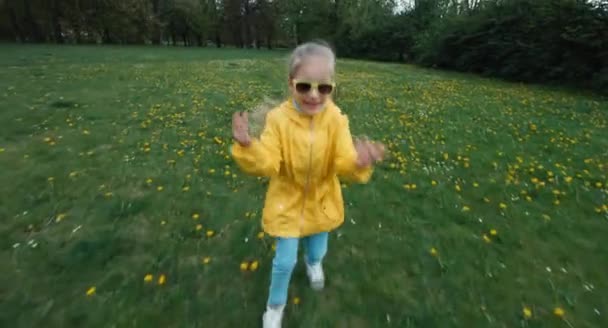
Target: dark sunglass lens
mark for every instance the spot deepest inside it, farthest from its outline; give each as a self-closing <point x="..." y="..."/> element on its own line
<point x="325" y="89"/>
<point x="302" y="87"/>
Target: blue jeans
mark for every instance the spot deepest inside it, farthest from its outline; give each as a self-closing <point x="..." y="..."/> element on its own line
<point x="285" y="259"/>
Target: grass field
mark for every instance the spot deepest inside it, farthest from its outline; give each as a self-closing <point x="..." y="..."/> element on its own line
<point x="120" y="205"/>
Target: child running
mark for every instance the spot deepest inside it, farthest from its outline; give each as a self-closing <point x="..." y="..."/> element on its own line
<point x="304" y="147"/>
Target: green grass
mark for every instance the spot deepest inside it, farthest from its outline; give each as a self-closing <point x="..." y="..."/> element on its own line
<point x="84" y="128"/>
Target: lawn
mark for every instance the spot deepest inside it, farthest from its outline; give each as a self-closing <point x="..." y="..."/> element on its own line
<point x="120" y="205"/>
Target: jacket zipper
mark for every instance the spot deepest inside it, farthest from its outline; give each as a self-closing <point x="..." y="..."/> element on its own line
<point x="307" y="185"/>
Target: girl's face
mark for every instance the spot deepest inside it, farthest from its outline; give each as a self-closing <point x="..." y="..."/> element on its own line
<point x="312" y="84"/>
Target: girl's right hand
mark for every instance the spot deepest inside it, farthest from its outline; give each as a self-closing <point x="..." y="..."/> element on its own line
<point x="240" y="128"/>
<point x="369" y="152"/>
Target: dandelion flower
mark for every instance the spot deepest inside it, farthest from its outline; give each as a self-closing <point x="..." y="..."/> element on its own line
<point x="568" y="179"/>
<point x="433" y="251"/>
<point x="296" y="300"/>
<point x="493" y="232"/>
<point x="148" y="278"/>
<point x="254" y="265"/>
<point x="527" y="312"/>
<point x="244" y="266"/>
<point x="60" y="217"/>
<point x="186" y="189"/>
<point x="503" y="206"/>
<point x="195" y="216"/>
<point x="91" y="291"/>
<point x="206" y="260"/>
<point x="261" y="235"/>
<point x="559" y="312"/>
<point x="199" y="227"/>
<point x="162" y="279"/>
<point x="466" y="208"/>
<point x="434" y="183"/>
<point x="149" y="180"/>
<point x="160" y="188"/>
<point x="486" y="238"/>
<point x="210" y="233"/>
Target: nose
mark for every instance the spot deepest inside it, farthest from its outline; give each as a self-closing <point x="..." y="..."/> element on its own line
<point x="314" y="93"/>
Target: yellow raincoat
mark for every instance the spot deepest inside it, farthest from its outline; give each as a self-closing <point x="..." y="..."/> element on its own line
<point x="303" y="156"/>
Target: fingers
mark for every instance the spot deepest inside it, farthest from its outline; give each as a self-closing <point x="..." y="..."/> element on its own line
<point x="369" y="152"/>
<point x="240" y="128"/>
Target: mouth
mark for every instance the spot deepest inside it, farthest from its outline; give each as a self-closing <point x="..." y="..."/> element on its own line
<point x="312" y="104"/>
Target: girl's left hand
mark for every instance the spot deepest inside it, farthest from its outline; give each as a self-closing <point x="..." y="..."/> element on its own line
<point x="369" y="152"/>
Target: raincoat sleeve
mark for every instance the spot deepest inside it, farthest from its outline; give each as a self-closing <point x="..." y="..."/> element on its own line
<point x="263" y="156"/>
<point x="346" y="155"/>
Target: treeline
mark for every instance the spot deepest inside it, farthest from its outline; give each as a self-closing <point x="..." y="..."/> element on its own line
<point x="564" y="41"/>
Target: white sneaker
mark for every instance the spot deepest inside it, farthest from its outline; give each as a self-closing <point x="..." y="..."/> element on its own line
<point x="273" y="316"/>
<point x="316" y="276"/>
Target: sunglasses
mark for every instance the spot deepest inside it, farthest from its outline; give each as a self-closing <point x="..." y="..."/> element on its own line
<point x="324" y="88"/>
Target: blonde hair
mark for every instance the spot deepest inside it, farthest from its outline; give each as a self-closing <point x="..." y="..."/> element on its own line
<point x="308" y="49"/>
<point x="257" y="118"/>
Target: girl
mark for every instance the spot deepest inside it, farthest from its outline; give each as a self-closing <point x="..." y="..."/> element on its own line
<point x="304" y="146"/>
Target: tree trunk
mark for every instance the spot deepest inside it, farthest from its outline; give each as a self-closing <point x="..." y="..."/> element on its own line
<point x="55" y="17"/>
<point x="15" y="25"/>
<point x="218" y="40"/>
<point x="30" y="22"/>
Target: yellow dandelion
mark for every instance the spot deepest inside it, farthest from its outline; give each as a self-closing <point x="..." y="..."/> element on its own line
<point x="163" y="222"/>
<point x="446" y="156"/>
<point x="486" y="238"/>
<point x="186" y="189"/>
<point x="162" y="279"/>
<point x="199" y="227"/>
<point x="149" y="180"/>
<point x="160" y="188"/>
<point x="50" y="179"/>
<point x="244" y="266"/>
<point x="296" y="300"/>
<point x="559" y="312"/>
<point x="60" y="217"/>
<point x="211" y="171"/>
<point x="210" y="233"/>
<point x="108" y="194"/>
<point x="568" y="179"/>
<point x="148" y="278"/>
<point x="91" y="291"/>
<point x="261" y="235"/>
<point x="458" y="188"/>
<point x="254" y="265"/>
<point x="493" y="232"/>
<point x="466" y="208"/>
<point x="527" y="312"/>
<point x="434" y="183"/>
<point x="195" y="216"/>
<point x="433" y="251"/>
<point x="502" y="206"/>
<point x="475" y="184"/>
<point x="86" y="132"/>
<point x="206" y="260"/>
<point x="556" y="202"/>
<point x="598" y="185"/>
<point x="1" y="150"/>
<point x="486" y="199"/>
